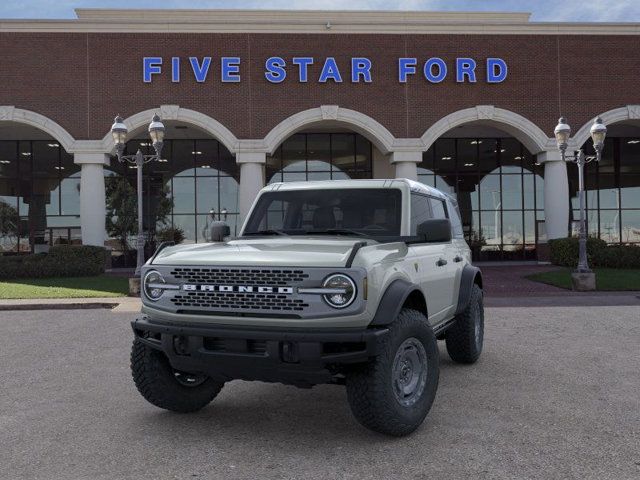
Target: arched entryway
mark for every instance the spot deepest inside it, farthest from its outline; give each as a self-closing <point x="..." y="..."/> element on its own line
<point x="39" y="184"/>
<point x="612" y="186"/>
<point x="492" y="169"/>
<point x="196" y="181"/>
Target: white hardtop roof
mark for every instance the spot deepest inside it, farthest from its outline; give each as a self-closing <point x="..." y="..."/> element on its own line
<point x="344" y="184"/>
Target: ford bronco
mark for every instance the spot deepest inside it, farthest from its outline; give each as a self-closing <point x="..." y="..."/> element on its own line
<point x="347" y="282"/>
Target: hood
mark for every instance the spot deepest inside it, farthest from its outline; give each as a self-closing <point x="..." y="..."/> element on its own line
<point x="272" y="251"/>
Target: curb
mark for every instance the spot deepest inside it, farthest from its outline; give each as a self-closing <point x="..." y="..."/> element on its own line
<point x="58" y="306"/>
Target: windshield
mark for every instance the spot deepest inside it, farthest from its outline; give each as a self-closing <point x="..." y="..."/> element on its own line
<point x="369" y="212"/>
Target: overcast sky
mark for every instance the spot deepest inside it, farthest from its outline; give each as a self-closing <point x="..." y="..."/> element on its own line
<point x="542" y="10"/>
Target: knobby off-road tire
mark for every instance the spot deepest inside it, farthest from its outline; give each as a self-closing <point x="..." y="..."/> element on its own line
<point x="385" y="395"/>
<point x="465" y="337"/>
<point x="166" y="388"/>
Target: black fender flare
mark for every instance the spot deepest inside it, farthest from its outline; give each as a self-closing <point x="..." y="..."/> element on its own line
<point x="467" y="279"/>
<point x="392" y="301"/>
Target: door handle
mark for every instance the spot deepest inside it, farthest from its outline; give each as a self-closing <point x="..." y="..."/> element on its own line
<point x="457" y="259"/>
<point x="441" y="262"/>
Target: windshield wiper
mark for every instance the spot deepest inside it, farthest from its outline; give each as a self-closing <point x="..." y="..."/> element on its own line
<point x="336" y="231"/>
<point x="266" y="232"/>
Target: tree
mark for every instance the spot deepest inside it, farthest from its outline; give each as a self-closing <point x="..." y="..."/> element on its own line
<point x="9" y="223"/>
<point x="122" y="210"/>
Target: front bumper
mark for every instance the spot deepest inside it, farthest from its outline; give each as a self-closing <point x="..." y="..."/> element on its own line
<point x="302" y="358"/>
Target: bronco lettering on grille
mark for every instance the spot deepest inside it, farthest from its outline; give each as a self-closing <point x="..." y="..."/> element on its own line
<point x="237" y="289"/>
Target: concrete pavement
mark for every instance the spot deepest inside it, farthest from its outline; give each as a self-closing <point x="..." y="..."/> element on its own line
<point x="556" y="394"/>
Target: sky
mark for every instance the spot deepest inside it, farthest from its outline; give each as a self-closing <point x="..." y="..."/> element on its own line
<point x="542" y="10"/>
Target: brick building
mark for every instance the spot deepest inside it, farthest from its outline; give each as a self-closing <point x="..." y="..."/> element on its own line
<point x="466" y="102"/>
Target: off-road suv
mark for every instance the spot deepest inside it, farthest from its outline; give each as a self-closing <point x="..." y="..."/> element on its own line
<point x="347" y="282"/>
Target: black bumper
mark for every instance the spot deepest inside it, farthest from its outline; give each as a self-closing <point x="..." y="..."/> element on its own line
<point x="271" y="355"/>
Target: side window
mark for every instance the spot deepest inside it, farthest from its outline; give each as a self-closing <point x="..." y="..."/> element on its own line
<point x="456" y="223"/>
<point x="438" y="208"/>
<point x="420" y="211"/>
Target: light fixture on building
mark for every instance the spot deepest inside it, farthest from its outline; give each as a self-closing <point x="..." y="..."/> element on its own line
<point x="475" y="142"/>
<point x="5" y="161"/>
<point x="469" y="164"/>
<point x="53" y="145"/>
<point x="58" y="168"/>
<point x="633" y="142"/>
<point x="205" y="166"/>
<point x="25" y="154"/>
<point x="156" y="133"/>
<point x="562" y="133"/>
<point x="447" y="158"/>
<point x="196" y="153"/>
<point x="517" y="158"/>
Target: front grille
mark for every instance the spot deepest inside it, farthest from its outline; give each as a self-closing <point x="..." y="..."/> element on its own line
<point x="242" y="276"/>
<point x="238" y="301"/>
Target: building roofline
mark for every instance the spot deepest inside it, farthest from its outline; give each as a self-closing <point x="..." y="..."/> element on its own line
<point x="310" y="21"/>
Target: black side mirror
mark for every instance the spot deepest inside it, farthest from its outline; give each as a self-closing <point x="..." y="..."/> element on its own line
<point x="435" y="230"/>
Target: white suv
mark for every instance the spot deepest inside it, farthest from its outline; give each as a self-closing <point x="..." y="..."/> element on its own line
<point x="347" y="282"/>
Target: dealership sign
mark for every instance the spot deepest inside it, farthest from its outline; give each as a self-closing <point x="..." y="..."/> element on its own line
<point x="310" y="69"/>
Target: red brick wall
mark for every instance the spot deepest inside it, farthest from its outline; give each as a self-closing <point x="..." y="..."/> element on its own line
<point x="82" y="80"/>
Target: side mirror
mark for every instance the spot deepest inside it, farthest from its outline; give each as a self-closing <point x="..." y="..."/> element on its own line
<point x="435" y="230"/>
<point x="219" y="230"/>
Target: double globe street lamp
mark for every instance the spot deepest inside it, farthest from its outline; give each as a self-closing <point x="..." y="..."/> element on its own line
<point x="156" y="132"/>
<point x="583" y="278"/>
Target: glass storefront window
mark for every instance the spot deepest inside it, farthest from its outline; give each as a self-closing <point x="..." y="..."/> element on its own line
<point x="320" y="156"/>
<point x="499" y="189"/>
<point x="39" y="195"/>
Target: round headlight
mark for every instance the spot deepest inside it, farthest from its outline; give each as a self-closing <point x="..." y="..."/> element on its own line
<point x="345" y="290"/>
<point x="152" y="282"/>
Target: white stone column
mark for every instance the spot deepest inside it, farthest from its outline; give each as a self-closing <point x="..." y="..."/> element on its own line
<point x="251" y="178"/>
<point x="406" y="163"/>
<point x="92" y="197"/>
<point x="556" y="194"/>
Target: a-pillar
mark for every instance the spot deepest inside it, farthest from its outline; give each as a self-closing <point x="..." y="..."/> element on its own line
<point x="556" y="194"/>
<point x="406" y="163"/>
<point x="251" y="179"/>
<point x="92" y="197"/>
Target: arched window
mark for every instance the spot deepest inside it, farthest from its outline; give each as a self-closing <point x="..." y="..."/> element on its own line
<point x="320" y="156"/>
<point x="39" y="196"/>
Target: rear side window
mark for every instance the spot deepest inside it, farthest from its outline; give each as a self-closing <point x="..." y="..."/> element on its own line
<point x="438" y="208"/>
<point x="454" y="216"/>
<point x="420" y="211"/>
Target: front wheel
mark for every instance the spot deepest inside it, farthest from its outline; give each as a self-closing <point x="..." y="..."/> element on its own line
<point x="163" y="386"/>
<point x="393" y="393"/>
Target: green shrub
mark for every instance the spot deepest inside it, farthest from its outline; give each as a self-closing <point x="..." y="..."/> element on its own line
<point x="565" y="252"/>
<point x="618" y="256"/>
<point x="61" y="261"/>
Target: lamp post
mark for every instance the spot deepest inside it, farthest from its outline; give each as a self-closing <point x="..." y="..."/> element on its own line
<point x="156" y="132"/>
<point x="562" y="133"/>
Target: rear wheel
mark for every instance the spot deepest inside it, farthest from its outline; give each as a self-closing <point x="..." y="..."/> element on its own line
<point x="163" y="386"/>
<point x="393" y="393"/>
<point x="466" y="336"/>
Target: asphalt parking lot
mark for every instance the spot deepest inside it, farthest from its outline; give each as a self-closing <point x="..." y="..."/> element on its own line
<point x="556" y="394"/>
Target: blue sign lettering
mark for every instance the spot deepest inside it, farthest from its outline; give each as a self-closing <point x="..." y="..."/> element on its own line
<point x="303" y="67"/>
<point x="360" y="67"/>
<point x="175" y="69"/>
<point x="200" y="71"/>
<point x="150" y="66"/>
<point x="428" y="70"/>
<point x="331" y="71"/>
<point x="275" y="69"/>
<point x="406" y="66"/>
<point x="496" y="70"/>
<point x="465" y="67"/>
<point x="434" y="69"/>
<point x="230" y="69"/>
